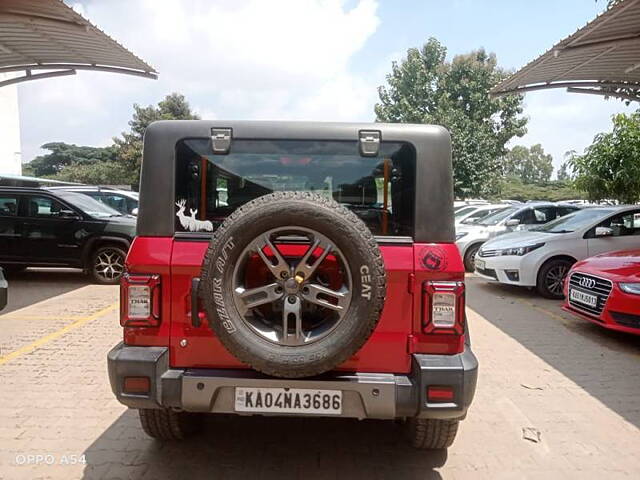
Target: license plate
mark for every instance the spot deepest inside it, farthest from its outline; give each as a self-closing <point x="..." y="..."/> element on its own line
<point x="584" y="298"/>
<point x="479" y="264"/>
<point x="288" y="400"/>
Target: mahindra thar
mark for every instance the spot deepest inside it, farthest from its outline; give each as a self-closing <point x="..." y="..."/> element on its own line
<point x="294" y="268"/>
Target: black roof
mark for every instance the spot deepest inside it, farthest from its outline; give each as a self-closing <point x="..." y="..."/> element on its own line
<point x="434" y="183"/>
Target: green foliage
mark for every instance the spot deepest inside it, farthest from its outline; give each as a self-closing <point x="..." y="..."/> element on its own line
<point x="63" y="155"/>
<point x="117" y="164"/>
<point x="514" y="189"/>
<point x="425" y="88"/>
<point x="129" y="147"/>
<point x="100" y="173"/>
<point x="531" y="165"/>
<point x="610" y="166"/>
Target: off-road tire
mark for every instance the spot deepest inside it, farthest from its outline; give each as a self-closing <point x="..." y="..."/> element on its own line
<point x="469" y="257"/>
<point x="431" y="433"/>
<point x="90" y="267"/>
<point x="541" y="284"/>
<point x="165" y="424"/>
<point x="347" y="232"/>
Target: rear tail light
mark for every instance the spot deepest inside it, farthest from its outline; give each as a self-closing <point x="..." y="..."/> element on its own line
<point x="443" y="308"/>
<point x="140" y="300"/>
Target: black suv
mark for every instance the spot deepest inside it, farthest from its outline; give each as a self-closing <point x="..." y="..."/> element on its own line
<point x="62" y="229"/>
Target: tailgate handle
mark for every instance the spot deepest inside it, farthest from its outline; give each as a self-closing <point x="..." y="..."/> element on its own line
<point x="195" y="314"/>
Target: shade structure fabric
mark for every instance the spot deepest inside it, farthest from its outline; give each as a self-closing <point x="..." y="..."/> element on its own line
<point x="46" y="38"/>
<point x="601" y="58"/>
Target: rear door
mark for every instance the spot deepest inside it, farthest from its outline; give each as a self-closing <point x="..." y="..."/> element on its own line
<point x="626" y="234"/>
<point x="10" y="227"/>
<point x="380" y="190"/>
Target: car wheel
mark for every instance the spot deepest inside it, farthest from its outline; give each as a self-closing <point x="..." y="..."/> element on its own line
<point x="165" y="424"/>
<point x="431" y="433"/>
<point x="469" y="257"/>
<point x="550" y="283"/>
<point x="107" y="265"/>
<point x="293" y="310"/>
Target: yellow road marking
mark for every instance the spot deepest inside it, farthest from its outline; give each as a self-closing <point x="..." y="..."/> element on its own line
<point x="52" y="336"/>
<point x="8" y="316"/>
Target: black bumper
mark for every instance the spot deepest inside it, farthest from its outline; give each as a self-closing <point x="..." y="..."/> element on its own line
<point x="365" y="395"/>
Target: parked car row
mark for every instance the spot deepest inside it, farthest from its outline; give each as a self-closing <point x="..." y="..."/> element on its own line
<point x="590" y="257"/>
<point x="470" y="237"/>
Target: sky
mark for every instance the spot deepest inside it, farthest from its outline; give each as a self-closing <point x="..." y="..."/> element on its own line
<point x="302" y="60"/>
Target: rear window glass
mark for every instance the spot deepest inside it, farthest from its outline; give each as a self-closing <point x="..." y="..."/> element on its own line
<point x="380" y="190"/>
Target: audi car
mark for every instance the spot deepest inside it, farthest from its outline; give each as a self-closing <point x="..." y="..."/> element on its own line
<point x="605" y="290"/>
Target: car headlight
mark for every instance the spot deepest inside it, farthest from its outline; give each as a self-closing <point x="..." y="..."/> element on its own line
<point x="520" y="251"/>
<point x="460" y="235"/>
<point x="630" y="288"/>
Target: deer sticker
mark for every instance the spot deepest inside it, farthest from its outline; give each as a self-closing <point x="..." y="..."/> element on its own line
<point x="190" y="222"/>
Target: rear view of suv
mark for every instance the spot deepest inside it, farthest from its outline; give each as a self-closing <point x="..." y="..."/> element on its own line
<point x="295" y="269"/>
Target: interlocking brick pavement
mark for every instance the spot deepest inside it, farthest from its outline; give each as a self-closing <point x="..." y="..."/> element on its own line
<point x="577" y="385"/>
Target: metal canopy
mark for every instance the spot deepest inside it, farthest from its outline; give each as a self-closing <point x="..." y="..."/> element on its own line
<point x="47" y="35"/>
<point x="602" y="58"/>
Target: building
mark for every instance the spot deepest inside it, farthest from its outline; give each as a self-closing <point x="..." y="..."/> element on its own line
<point x="10" y="157"/>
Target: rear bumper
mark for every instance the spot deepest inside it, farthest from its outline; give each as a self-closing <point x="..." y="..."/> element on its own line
<point x="365" y="395"/>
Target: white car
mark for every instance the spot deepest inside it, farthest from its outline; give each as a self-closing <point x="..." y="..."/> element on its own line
<point x="469" y="238"/>
<point x="475" y="214"/>
<point x="542" y="257"/>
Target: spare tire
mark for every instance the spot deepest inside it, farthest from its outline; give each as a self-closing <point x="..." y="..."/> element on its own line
<point x="293" y="284"/>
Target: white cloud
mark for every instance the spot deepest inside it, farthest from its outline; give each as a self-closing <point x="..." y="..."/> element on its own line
<point x="562" y="121"/>
<point x="252" y="59"/>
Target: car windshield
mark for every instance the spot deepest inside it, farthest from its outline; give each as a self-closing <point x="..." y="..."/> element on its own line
<point x="475" y="217"/>
<point x="464" y="211"/>
<point x="574" y="221"/>
<point x="497" y="217"/>
<point x="88" y="205"/>
<point x="380" y="189"/>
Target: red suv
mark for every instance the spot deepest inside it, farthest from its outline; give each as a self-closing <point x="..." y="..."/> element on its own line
<point x="288" y="268"/>
<point x="605" y="290"/>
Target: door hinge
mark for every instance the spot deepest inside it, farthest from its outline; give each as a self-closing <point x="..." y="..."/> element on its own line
<point x="369" y="143"/>
<point x="221" y="140"/>
<point x="411" y="283"/>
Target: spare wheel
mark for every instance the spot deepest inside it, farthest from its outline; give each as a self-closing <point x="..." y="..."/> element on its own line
<point x="293" y="284"/>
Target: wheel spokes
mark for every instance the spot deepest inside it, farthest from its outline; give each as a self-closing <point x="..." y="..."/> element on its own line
<point x="254" y="297"/>
<point x="325" y="297"/>
<point x="304" y="269"/>
<point x="292" y="315"/>
<point x="281" y="266"/>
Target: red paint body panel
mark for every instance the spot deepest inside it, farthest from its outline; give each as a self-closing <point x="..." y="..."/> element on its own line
<point x="396" y="336"/>
<point x="150" y="255"/>
<point x="619" y="267"/>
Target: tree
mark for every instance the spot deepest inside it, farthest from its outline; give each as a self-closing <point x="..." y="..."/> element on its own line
<point x="425" y="88"/>
<point x="531" y="165"/>
<point x="99" y="173"/>
<point x="609" y="168"/>
<point x="565" y="172"/>
<point x="514" y="189"/>
<point x="63" y="155"/>
<point x="129" y="147"/>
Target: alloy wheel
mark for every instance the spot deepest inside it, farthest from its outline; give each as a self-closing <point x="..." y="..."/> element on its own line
<point x="304" y="293"/>
<point x="109" y="264"/>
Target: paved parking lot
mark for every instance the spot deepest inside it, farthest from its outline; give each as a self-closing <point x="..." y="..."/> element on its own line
<point x="568" y="385"/>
